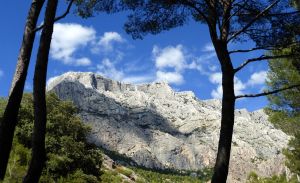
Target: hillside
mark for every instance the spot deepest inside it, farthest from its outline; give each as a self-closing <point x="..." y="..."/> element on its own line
<point x="159" y="128"/>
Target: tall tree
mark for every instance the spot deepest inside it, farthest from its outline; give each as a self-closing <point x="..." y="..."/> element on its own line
<point x="39" y="88"/>
<point x="269" y="23"/>
<point x="9" y="121"/>
<point x="284" y="107"/>
<point x="38" y="156"/>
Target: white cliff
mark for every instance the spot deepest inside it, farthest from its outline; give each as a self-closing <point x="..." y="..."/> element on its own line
<point x="160" y="128"/>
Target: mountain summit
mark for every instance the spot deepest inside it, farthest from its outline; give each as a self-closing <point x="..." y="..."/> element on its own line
<point x="159" y="128"/>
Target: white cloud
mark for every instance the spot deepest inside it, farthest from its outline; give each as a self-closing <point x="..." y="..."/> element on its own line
<point x="172" y="61"/>
<point x="1" y="73"/>
<point x="169" y="57"/>
<point x="170" y="64"/>
<point x="138" y="79"/>
<point x="170" y="77"/>
<point x="239" y="86"/>
<point x="68" y="38"/>
<point x="82" y="62"/>
<point x="108" y="69"/>
<point x="216" y="78"/>
<point x="212" y="68"/>
<point x="257" y="78"/>
<point x="204" y="63"/>
<point x="107" y="40"/>
<point x="207" y="56"/>
<point x="217" y="93"/>
<point x="209" y="47"/>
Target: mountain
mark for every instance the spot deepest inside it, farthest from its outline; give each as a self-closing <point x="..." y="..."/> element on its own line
<point x="163" y="129"/>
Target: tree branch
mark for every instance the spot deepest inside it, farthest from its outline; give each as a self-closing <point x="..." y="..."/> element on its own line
<point x="267" y="92"/>
<point x="57" y="18"/>
<point x="252" y="49"/>
<point x="263" y="57"/>
<point x="278" y="47"/>
<point x="190" y="4"/>
<point x="284" y="14"/>
<point x="232" y="15"/>
<point x="262" y="13"/>
<point x="277" y="14"/>
<point x="224" y="26"/>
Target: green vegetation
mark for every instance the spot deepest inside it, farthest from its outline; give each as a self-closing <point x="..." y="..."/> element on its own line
<point x="293" y="155"/>
<point x="111" y="177"/>
<point x="284" y="107"/>
<point x="125" y="171"/>
<point x="152" y="175"/>
<point x="155" y="176"/>
<point x="124" y="160"/>
<point x="254" y="178"/>
<point x="140" y="175"/>
<point x="70" y="158"/>
<point x="284" y="113"/>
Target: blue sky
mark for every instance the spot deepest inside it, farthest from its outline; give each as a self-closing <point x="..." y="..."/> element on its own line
<point x="183" y="57"/>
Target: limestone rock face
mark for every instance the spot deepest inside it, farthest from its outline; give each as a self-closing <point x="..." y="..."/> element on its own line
<point x="160" y="128"/>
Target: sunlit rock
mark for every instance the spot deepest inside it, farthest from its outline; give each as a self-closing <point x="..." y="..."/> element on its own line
<point x="160" y="128"/>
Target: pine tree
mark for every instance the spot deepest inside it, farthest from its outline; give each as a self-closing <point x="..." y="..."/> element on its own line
<point x="9" y="121"/>
<point x="284" y="107"/>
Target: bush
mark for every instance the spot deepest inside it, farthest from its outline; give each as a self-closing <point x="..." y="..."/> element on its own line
<point x="69" y="156"/>
<point x="110" y="177"/>
<point x="254" y="178"/>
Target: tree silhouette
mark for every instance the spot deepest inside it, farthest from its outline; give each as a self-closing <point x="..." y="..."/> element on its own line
<point x="38" y="155"/>
<point x="9" y="121"/>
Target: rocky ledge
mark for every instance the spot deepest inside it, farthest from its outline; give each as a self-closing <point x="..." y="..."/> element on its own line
<point x="159" y="128"/>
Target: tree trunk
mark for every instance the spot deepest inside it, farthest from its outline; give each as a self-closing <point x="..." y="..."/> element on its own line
<point x="38" y="156"/>
<point x="227" y="120"/>
<point x="9" y="120"/>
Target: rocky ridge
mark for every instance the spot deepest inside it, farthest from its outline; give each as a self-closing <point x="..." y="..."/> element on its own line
<point x="160" y="128"/>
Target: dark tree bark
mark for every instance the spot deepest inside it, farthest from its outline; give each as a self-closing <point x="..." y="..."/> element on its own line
<point x="9" y="121"/>
<point x="228" y="101"/>
<point x="38" y="156"/>
<point x="227" y="123"/>
<point x="227" y="120"/>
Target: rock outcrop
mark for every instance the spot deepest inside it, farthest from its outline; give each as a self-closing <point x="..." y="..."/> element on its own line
<point x="160" y="128"/>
